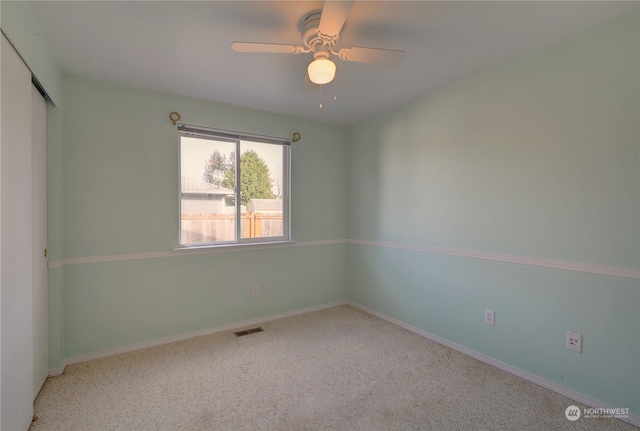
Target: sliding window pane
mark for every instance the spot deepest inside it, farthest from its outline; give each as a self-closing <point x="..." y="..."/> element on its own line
<point x="207" y="178"/>
<point x="262" y="190"/>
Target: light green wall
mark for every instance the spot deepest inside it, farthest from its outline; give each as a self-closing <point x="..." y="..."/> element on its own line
<point x="110" y="305"/>
<point x="120" y="195"/>
<point x="536" y="158"/>
<point x="121" y="167"/>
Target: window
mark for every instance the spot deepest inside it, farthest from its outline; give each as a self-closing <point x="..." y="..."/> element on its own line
<point x="231" y="199"/>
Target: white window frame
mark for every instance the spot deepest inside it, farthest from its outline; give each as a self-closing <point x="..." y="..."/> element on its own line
<point x="185" y="130"/>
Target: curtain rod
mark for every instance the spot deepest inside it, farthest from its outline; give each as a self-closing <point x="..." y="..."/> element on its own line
<point x="175" y="117"/>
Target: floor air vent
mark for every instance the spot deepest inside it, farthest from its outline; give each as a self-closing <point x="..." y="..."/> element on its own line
<point x="248" y="331"/>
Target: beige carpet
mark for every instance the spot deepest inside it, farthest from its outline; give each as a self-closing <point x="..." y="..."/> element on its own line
<point x="337" y="369"/>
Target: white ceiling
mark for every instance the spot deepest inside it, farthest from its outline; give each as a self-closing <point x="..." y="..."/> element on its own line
<point x="182" y="47"/>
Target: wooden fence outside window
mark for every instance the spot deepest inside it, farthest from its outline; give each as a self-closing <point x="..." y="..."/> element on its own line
<point x="197" y="228"/>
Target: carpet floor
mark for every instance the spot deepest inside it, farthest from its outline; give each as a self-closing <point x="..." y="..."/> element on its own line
<point x="335" y="369"/>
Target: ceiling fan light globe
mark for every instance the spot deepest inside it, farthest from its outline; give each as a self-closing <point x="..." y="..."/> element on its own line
<point x="321" y="71"/>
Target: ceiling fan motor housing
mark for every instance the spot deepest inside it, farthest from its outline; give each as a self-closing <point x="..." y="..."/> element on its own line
<point x="311" y="37"/>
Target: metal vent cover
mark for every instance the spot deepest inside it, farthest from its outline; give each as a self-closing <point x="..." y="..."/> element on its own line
<point x="248" y="331"/>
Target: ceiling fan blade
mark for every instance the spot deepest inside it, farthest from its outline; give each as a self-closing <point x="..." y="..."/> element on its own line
<point x="307" y="85"/>
<point x="334" y="14"/>
<point x="387" y="57"/>
<point x="273" y="48"/>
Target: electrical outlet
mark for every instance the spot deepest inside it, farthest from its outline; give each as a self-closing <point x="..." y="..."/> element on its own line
<point x="256" y="289"/>
<point x="490" y="317"/>
<point x="574" y="341"/>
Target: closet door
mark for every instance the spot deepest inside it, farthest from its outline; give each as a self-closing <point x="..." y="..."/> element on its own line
<point x="39" y="199"/>
<point x="16" y="243"/>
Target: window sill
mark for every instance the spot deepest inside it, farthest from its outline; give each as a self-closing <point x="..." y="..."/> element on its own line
<point x="243" y="246"/>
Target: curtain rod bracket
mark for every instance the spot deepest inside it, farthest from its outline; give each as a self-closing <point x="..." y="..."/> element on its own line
<point x="174" y="117"/>
<point x="296" y="137"/>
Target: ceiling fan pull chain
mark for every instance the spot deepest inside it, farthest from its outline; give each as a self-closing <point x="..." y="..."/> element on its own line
<point x="320" y="107"/>
<point x="335" y="88"/>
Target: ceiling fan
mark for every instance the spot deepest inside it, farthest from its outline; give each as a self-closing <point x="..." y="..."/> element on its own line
<point x="320" y="32"/>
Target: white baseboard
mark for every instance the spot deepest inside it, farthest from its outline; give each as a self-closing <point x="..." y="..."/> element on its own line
<point x="552" y="386"/>
<point x="53" y="372"/>
<point x="166" y="340"/>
